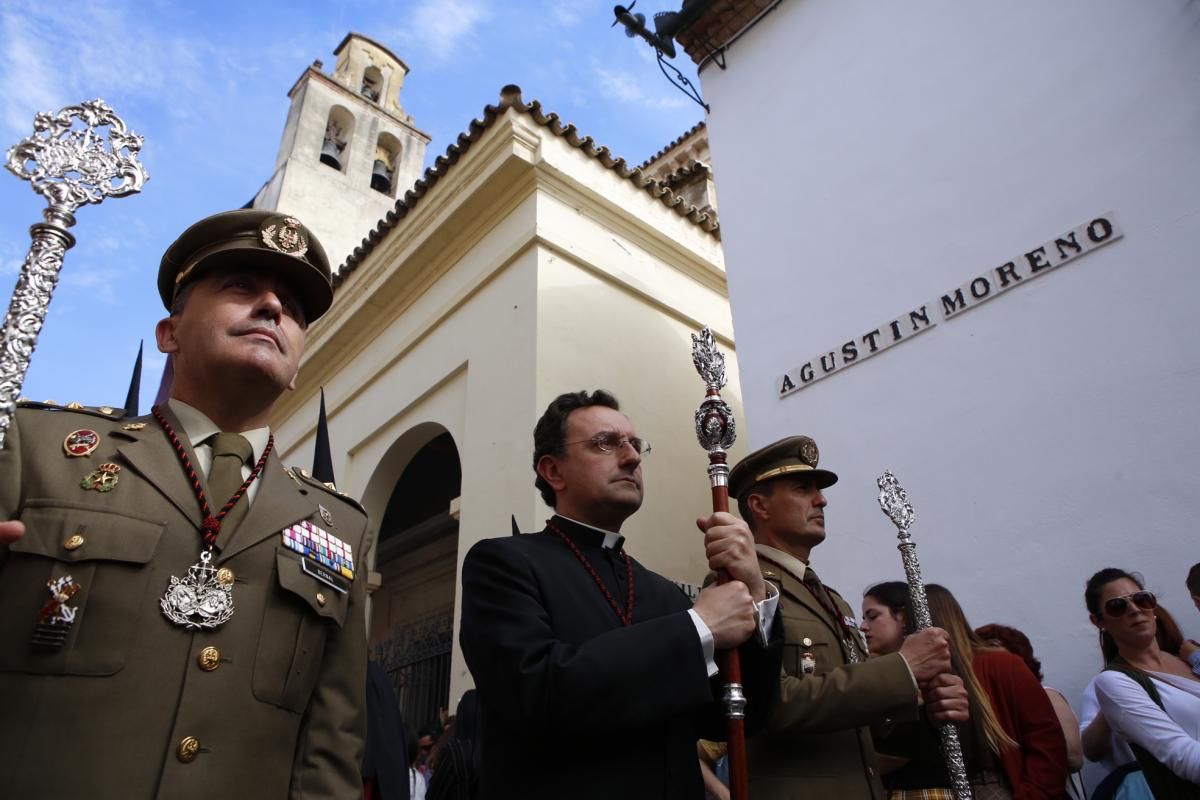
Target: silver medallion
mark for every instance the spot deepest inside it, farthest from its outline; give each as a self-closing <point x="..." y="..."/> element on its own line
<point x="200" y="599"/>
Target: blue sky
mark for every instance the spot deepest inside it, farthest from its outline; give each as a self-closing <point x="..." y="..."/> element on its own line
<point x="206" y="84"/>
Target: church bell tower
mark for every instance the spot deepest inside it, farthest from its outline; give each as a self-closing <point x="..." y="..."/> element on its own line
<point x="349" y="150"/>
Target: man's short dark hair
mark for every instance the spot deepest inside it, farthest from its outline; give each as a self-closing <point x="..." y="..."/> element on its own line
<point x="762" y="487"/>
<point x="550" y="433"/>
<point x="1193" y="580"/>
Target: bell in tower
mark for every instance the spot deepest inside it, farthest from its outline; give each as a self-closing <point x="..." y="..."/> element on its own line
<point x="348" y="148"/>
<point x="383" y="172"/>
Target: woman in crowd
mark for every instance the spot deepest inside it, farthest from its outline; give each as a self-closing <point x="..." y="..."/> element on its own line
<point x="1100" y="744"/>
<point x="883" y="621"/>
<point x="1017" y="643"/>
<point x="1148" y="696"/>
<point x="1013" y="744"/>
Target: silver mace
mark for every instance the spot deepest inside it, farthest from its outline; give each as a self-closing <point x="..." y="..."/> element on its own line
<point x="893" y="500"/>
<point x="716" y="432"/>
<point x="70" y="163"/>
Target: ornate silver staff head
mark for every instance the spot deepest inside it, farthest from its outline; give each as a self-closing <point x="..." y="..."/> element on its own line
<point x="71" y="159"/>
<point x="894" y="502"/>
<point x="715" y="428"/>
<point x="81" y="155"/>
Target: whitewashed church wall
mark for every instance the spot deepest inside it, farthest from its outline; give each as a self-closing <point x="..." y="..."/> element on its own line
<point x="872" y="157"/>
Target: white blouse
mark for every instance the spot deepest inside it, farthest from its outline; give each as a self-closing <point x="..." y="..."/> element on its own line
<point x="1173" y="736"/>
<point x="1119" y="752"/>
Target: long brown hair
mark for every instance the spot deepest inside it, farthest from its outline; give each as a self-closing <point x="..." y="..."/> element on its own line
<point x="964" y="643"/>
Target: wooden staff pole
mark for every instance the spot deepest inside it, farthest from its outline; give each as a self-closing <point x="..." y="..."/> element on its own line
<point x="716" y="433"/>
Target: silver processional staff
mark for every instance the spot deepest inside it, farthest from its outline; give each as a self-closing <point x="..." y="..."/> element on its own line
<point x="78" y="156"/>
<point x="893" y="500"/>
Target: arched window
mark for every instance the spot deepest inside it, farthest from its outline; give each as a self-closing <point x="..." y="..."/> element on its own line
<point x="338" y="129"/>
<point x="372" y="84"/>
<point x="387" y="157"/>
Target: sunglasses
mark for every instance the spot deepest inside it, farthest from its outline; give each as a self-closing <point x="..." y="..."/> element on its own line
<point x="1118" y="606"/>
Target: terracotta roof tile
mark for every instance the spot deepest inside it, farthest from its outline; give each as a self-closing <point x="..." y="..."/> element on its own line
<point x="510" y="97"/>
<point x="697" y="127"/>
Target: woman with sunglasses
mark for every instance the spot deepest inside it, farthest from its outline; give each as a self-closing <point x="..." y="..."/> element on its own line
<point x="1148" y="696"/>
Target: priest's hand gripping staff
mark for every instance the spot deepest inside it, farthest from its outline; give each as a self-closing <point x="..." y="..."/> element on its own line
<point x="70" y="161"/>
<point x="893" y="500"/>
<point x="716" y="432"/>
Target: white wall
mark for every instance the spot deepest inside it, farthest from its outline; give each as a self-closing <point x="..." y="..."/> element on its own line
<point x="872" y="156"/>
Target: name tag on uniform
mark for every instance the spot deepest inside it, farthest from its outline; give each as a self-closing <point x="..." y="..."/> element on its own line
<point x="323" y="575"/>
<point x="326" y="557"/>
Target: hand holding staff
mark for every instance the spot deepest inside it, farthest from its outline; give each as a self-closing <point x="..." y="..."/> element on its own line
<point x="893" y="501"/>
<point x="716" y="433"/>
<point x="67" y="162"/>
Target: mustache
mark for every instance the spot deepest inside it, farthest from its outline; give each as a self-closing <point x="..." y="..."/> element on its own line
<point x="266" y="328"/>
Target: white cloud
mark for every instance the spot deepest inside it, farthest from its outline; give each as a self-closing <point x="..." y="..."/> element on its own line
<point x="564" y="14"/>
<point x="11" y="259"/>
<point x="444" y="28"/>
<point x="54" y="59"/>
<point x="626" y="88"/>
<point x="98" y="284"/>
<point x="29" y="82"/>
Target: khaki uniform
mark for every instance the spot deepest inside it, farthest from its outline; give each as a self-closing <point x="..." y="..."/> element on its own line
<point x="133" y="706"/>
<point x="818" y="741"/>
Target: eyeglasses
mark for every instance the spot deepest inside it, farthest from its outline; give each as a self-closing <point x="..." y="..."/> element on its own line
<point x="610" y="442"/>
<point x="1118" y="606"/>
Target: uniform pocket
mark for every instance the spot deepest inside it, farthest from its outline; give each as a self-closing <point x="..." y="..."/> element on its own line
<point x="292" y="641"/>
<point x="107" y="554"/>
<point x="808" y="641"/>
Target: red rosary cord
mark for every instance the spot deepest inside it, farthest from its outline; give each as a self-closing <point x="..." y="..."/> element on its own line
<point x="211" y="527"/>
<point x="625" y="616"/>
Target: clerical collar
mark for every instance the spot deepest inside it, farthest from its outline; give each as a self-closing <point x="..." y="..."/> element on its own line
<point x="198" y="428"/>
<point x="785" y="560"/>
<point x="591" y="534"/>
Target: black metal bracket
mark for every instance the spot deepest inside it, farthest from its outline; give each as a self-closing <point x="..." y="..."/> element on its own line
<point x="680" y="81"/>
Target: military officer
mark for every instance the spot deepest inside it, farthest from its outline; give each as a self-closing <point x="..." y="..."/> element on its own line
<point x="818" y="740"/>
<point x="182" y="616"/>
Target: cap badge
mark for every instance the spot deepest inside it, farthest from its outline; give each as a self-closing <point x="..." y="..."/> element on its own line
<point x="286" y="235"/>
<point x="808" y="452"/>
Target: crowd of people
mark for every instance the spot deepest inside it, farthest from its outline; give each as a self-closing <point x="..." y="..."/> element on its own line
<point x="126" y="672"/>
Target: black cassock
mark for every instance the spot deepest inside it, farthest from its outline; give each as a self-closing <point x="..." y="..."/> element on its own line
<point x="573" y="703"/>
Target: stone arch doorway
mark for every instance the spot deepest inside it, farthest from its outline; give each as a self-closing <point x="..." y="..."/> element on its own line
<point x="412" y="611"/>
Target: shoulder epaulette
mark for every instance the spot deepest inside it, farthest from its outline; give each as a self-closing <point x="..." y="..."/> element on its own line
<point x="303" y="476"/>
<point x="104" y="412"/>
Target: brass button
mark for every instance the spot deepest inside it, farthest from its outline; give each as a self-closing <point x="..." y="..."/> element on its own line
<point x="74" y="542"/>
<point x="225" y="576"/>
<point x="209" y="659"/>
<point x="189" y="746"/>
<point x="321" y="599"/>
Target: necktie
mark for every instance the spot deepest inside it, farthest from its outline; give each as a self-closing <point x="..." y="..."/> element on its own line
<point x="230" y="452"/>
<point x="826" y="601"/>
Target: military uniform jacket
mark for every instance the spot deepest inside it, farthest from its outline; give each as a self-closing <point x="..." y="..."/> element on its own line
<point x="572" y="703"/>
<point x="103" y="715"/>
<point x="818" y="741"/>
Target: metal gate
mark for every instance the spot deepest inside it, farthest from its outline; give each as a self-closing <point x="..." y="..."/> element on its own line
<point x="417" y="659"/>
